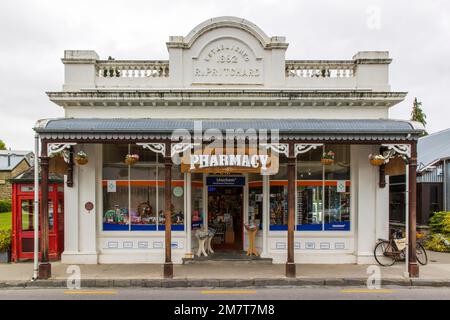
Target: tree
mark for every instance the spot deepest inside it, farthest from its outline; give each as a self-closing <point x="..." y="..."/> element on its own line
<point x="2" y="145"/>
<point x="418" y="115"/>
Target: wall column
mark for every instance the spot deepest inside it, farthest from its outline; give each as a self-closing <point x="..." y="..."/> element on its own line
<point x="168" y="266"/>
<point x="188" y="213"/>
<point x="413" y="267"/>
<point x="290" y="264"/>
<point x="45" y="268"/>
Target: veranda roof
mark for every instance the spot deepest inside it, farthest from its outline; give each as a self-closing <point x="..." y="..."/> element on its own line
<point x="297" y="129"/>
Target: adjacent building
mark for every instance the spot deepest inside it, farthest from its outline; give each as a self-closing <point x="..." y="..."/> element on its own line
<point x="12" y="163"/>
<point x="433" y="180"/>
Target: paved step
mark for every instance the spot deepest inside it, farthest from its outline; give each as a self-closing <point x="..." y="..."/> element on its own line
<point x="221" y="257"/>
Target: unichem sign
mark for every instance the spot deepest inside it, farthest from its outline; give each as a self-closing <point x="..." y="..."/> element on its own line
<point x="229" y="160"/>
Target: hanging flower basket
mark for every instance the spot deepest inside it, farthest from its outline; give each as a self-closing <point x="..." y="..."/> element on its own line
<point x="377" y="160"/>
<point x="327" y="158"/>
<point x="81" y="158"/>
<point x="131" y="159"/>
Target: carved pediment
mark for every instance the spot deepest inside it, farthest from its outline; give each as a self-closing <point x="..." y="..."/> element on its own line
<point x="227" y="60"/>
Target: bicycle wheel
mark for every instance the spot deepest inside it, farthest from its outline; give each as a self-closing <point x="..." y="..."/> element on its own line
<point x="384" y="253"/>
<point x="421" y="254"/>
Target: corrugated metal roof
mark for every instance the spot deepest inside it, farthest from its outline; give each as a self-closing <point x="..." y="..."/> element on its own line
<point x="318" y="126"/>
<point x="433" y="147"/>
<point x="9" y="159"/>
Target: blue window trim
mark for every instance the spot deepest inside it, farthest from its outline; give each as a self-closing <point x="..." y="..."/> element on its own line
<point x="115" y="227"/>
<point x="143" y="227"/>
<point x="309" y="227"/>
<point x="278" y="227"/>
<point x="175" y="227"/>
<point x="337" y="226"/>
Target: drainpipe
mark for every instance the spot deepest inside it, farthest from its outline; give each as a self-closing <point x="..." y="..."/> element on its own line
<point x="445" y="185"/>
<point x="36" y="208"/>
<point x="406" y="272"/>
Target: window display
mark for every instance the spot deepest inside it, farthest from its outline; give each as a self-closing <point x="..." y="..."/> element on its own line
<point x="133" y="193"/>
<point x="255" y="200"/>
<point x="198" y="213"/>
<point x="278" y="206"/>
<point x="323" y="190"/>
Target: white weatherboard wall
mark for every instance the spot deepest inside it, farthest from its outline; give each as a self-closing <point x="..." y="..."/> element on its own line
<point x="81" y="241"/>
<point x="368" y="210"/>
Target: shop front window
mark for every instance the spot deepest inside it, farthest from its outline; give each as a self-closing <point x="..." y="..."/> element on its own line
<point x="133" y="195"/>
<point x="278" y="206"/>
<point x="255" y="199"/>
<point x="198" y="213"/>
<point x="323" y="190"/>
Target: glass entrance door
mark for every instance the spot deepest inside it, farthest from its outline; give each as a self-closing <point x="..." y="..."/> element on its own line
<point x="225" y="215"/>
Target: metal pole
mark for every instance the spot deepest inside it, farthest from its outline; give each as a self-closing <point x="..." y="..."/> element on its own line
<point x="36" y="208"/>
<point x="407" y="219"/>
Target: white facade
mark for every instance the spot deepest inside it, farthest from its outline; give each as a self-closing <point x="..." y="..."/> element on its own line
<point x="225" y="68"/>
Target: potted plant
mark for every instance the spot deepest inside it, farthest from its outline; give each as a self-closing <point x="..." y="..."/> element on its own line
<point x="81" y="158"/>
<point x="327" y="158"/>
<point x="131" y="159"/>
<point x="5" y="245"/>
<point x="376" y="160"/>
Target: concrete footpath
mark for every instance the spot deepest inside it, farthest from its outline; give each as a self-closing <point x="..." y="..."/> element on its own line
<point x="227" y="274"/>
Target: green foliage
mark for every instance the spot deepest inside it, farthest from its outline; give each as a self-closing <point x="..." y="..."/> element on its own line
<point x="5" y="205"/>
<point x="440" y="222"/>
<point x="438" y="242"/>
<point x="2" y="145"/>
<point x="417" y="113"/>
<point x="5" y="240"/>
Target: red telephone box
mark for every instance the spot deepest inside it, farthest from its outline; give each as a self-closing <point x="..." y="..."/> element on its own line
<point x="23" y="218"/>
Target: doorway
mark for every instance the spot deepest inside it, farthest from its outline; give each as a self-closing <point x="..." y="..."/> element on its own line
<point x="225" y="215"/>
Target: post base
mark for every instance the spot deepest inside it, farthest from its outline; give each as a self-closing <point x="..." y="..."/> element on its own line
<point x="290" y="270"/>
<point x="168" y="270"/>
<point x="413" y="269"/>
<point x="44" y="271"/>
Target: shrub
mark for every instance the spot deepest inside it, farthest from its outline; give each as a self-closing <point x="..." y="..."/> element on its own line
<point x="438" y="242"/>
<point x="5" y="240"/>
<point x="440" y="222"/>
<point x="5" y="205"/>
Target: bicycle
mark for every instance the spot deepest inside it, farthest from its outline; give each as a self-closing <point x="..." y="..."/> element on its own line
<point x="388" y="252"/>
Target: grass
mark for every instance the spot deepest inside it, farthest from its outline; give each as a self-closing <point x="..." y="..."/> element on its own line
<point x="5" y="220"/>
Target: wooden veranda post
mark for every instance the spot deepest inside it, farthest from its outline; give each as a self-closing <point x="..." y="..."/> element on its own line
<point x="413" y="267"/>
<point x="290" y="264"/>
<point x="45" y="270"/>
<point x="168" y="266"/>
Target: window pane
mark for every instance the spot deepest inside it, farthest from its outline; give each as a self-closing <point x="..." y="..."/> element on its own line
<point x="278" y="207"/>
<point x="27" y="215"/>
<point x="309" y="207"/>
<point x="309" y="166"/>
<point x="198" y="214"/>
<point x="143" y="206"/>
<point x="278" y="197"/>
<point x="312" y="214"/>
<point x="115" y="208"/>
<point x="337" y="209"/>
<point x="255" y="199"/>
<point x="340" y="169"/>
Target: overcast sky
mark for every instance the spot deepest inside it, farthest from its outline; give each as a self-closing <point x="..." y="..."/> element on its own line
<point x="34" y="35"/>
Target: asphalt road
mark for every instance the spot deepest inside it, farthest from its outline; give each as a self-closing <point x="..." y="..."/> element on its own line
<point x="284" y="293"/>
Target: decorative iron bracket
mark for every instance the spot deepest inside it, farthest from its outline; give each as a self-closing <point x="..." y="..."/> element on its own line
<point x="55" y="148"/>
<point x="155" y="147"/>
<point x="280" y="148"/>
<point x="300" y="148"/>
<point x="180" y="147"/>
<point x="404" y="150"/>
